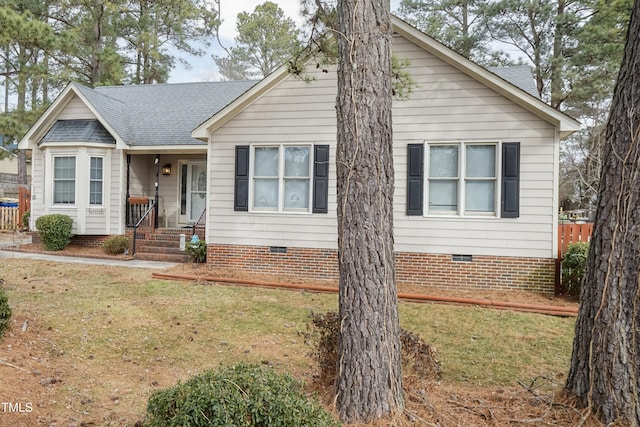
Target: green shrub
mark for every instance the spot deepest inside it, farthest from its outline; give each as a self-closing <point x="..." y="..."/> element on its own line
<point x="55" y="231"/>
<point x="419" y="359"/>
<point x="197" y="249"/>
<point x="25" y="218"/>
<point x="116" y="245"/>
<point x="573" y="266"/>
<point x="243" y="395"/>
<point x="5" y="312"/>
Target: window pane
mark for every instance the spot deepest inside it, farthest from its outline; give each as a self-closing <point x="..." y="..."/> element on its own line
<point x="296" y="161"/>
<point x="443" y="161"/>
<point x="266" y="161"/>
<point x="480" y="196"/>
<point x="95" y="193"/>
<point x="443" y="195"/>
<point x="481" y="161"/>
<point x="265" y="193"/>
<point x="64" y="168"/>
<point x="96" y="168"/>
<point x="296" y="194"/>
<point x="64" y="192"/>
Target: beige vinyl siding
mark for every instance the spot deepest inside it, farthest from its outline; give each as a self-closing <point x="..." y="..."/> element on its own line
<point x="76" y="109"/>
<point x="446" y="105"/>
<point x="292" y="112"/>
<point x="142" y="176"/>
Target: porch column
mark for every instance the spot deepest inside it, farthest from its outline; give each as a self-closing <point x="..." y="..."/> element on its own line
<point x="157" y="198"/>
<point x="128" y="208"/>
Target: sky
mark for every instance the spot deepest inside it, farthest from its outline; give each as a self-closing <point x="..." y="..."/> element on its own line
<point x="204" y="68"/>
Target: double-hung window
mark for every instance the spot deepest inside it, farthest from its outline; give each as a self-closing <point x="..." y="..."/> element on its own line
<point x="281" y="178"/>
<point x="462" y="178"/>
<point x="96" y="180"/>
<point x="64" y="180"/>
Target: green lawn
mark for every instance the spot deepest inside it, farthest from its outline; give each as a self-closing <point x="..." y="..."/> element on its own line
<point x="107" y="329"/>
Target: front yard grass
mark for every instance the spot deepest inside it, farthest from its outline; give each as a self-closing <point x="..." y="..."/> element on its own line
<point x="111" y="336"/>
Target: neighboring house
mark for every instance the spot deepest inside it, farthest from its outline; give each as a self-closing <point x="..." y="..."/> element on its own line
<point x="9" y="170"/>
<point x="476" y="161"/>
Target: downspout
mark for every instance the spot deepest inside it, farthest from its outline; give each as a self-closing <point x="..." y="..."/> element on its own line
<point x="157" y="198"/>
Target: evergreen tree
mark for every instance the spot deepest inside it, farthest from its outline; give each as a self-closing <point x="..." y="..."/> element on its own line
<point x="369" y="383"/>
<point x="605" y="363"/>
<point x="266" y="40"/>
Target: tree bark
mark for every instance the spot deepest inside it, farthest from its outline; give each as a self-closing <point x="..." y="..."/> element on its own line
<point x="369" y="383"/>
<point x="605" y="364"/>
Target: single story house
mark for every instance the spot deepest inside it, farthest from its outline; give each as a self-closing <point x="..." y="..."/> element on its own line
<point x="476" y="156"/>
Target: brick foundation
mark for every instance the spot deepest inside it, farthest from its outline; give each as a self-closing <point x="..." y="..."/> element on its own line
<point x="483" y="272"/>
<point x="320" y="264"/>
<point x="89" y="241"/>
<point x="433" y="270"/>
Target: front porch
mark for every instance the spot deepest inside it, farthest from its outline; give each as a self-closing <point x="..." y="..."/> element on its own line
<point x="173" y="184"/>
<point x="165" y="204"/>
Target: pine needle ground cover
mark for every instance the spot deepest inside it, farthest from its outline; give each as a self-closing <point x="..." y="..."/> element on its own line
<point x="90" y="344"/>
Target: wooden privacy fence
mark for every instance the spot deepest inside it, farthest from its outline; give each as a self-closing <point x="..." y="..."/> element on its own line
<point x="9" y="218"/>
<point x="571" y="233"/>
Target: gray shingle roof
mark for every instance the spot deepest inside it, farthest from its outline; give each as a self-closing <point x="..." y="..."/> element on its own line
<point x="518" y="75"/>
<point x="78" y="131"/>
<point x="163" y="114"/>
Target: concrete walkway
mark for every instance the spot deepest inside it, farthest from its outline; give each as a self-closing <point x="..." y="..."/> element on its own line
<point x="135" y="263"/>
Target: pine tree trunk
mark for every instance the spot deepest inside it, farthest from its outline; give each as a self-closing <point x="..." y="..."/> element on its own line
<point x="369" y="383"/>
<point x="605" y="365"/>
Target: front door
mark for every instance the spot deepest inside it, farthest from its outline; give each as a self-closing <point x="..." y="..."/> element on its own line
<point x="193" y="191"/>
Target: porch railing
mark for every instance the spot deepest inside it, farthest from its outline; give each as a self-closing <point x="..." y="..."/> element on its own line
<point x="199" y="224"/>
<point x="146" y="219"/>
<point x="136" y="208"/>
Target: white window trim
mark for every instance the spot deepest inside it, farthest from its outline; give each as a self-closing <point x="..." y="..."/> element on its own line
<point x="104" y="164"/>
<point x="281" y="159"/>
<point x="460" y="213"/>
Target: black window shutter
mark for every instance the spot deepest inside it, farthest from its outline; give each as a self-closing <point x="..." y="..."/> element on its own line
<point x="320" y="178"/>
<point x="241" y="186"/>
<point x="415" y="180"/>
<point x="510" y="204"/>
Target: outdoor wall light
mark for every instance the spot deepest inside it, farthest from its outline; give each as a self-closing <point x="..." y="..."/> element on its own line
<point x="166" y="169"/>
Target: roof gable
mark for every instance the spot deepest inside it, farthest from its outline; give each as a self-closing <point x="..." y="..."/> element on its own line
<point x="511" y="82"/>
